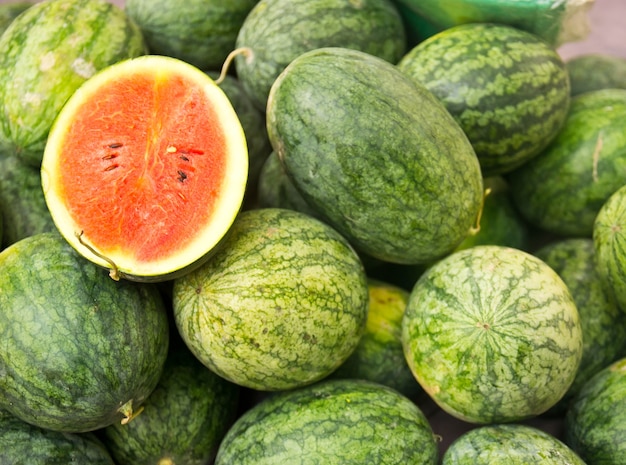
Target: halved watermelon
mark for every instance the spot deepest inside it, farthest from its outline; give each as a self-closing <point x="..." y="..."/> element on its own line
<point x="145" y="168"/>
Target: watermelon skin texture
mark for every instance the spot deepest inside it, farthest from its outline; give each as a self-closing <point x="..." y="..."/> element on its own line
<point x="183" y="420"/>
<point x="508" y="444"/>
<point x="277" y="31"/>
<point x="506" y="88"/>
<point x="9" y="11"/>
<point x="385" y="164"/>
<point x="603" y="323"/>
<point x="562" y="189"/>
<point x="595" y="423"/>
<point x="334" y="421"/>
<point x="596" y="71"/>
<point x="492" y="334"/>
<point x="49" y="51"/>
<point x="83" y="347"/>
<point x="24" y="444"/>
<point x="280" y="305"/>
<point x="609" y="242"/>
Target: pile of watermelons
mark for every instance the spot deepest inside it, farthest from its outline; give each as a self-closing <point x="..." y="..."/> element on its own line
<point x="426" y="263"/>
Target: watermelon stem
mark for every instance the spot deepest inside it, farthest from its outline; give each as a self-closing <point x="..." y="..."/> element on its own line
<point x="246" y="51"/>
<point x="114" y="273"/>
<point x="475" y="229"/>
<point x="127" y="411"/>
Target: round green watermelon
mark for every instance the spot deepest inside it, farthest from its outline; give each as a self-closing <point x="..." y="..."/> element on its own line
<point x="85" y="351"/>
<point x="595" y="71"/>
<point x="492" y="334"/>
<point x="348" y="422"/>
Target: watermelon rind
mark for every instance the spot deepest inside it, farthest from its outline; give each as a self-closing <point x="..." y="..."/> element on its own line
<point x="595" y="71"/>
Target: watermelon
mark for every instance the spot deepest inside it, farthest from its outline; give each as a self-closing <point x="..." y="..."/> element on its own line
<point x="182" y="421"/>
<point x="277" y="31"/>
<point x="199" y="32"/>
<point x="22" y="205"/>
<point x="11" y="10"/>
<point x="160" y="182"/>
<point x="379" y="356"/>
<point x="562" y="189"/>
<point x="334" y="421"/>
<point x="500" y="223"/>
<point x="595" y="423"/>
<point x="48" y="52"/>
<point x="506" y="88"/>
<point x="555" y="21"/>
<point x="280" y="305"/>
<point x="602" y="322"/>
<point x="505" y="444"/>
<point x="595" y="71"/>
<point x="24" y="444"/>
<point x="609" y="237"/>
<point x="377" y="155"/>
<point x="492" y="334"/>
<point x="85" y="351"/>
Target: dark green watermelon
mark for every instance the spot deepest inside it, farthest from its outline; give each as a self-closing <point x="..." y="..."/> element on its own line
<point x="348" y="422"/>
<point x="595" y="71"/>
<point x="24" y="444"/>
<point x="506" y="88"/>
<point x="85" y="351"/>
<point x="182" y="421"/>
<point x="562" y="189"/>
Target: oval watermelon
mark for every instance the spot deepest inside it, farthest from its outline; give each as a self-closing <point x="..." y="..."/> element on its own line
<point x="351" y="422"/>
<point x="506" y="88"/>
<point x="378" y="156"/>
<point x="280" y="305"/>
<point x="85" y="351"/>
<point x="48" y="52"/>
<point x="160" y="182"/>
<point x="492" y="334"/>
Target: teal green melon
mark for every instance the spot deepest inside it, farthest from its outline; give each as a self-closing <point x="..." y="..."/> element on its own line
<point x="562" y="189"/>
<point x="275" y="189"/>
<point x="277" y="31"/>
<point x="24" y="444"/>
<point x="350" y="422"/>
<point x="500" y="222"/>
<point x="603" y="324"/>
<point x="23" y="207"/>
<point x="51" y="49"/>
<point x="379" y="356"/>
<point x="200" y="32"/>
<point x="377" y="155"/>
<point x="280" y="305"/>
<point x="595" y="423"/>
<point x="507" y="89"/>
<point x="609" y="238"/>
<point x="555" y="21"/>
<point x="492" y="334"/>
<point x="11" y="10"/>
<point x="508" y="444"/>
<point x="85" y="351"/>
<point x="182" y="421"/>
<point x="595" y="71"/>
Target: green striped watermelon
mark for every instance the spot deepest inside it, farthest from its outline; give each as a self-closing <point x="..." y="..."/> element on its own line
<point x="281" y="304"/>
<point x="347" y="422"/>
<point x="508" y="444"/>
<point x="492" y="334"/>
<point x="609" y="238"/>
<point x="507" y="89"/>
<point x="277" y="31"/>
<point x="603" y="324"/>
<point x="595" y="71"/>
<point x="48" y="52"/>
<point x="595" y="423"/>
<point x="379" y="157"/>
<point x="84" y="351"/>
<point x="562" y="189"/>
<point x="24" y="444"/>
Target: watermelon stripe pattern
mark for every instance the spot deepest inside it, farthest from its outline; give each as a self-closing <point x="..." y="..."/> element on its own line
<point x="492" y="334"/>
<point x="49" y="51"/>
<point x="506" y="88"/>
<point x="281" y="304"/>
<point x="341" y="421"/>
